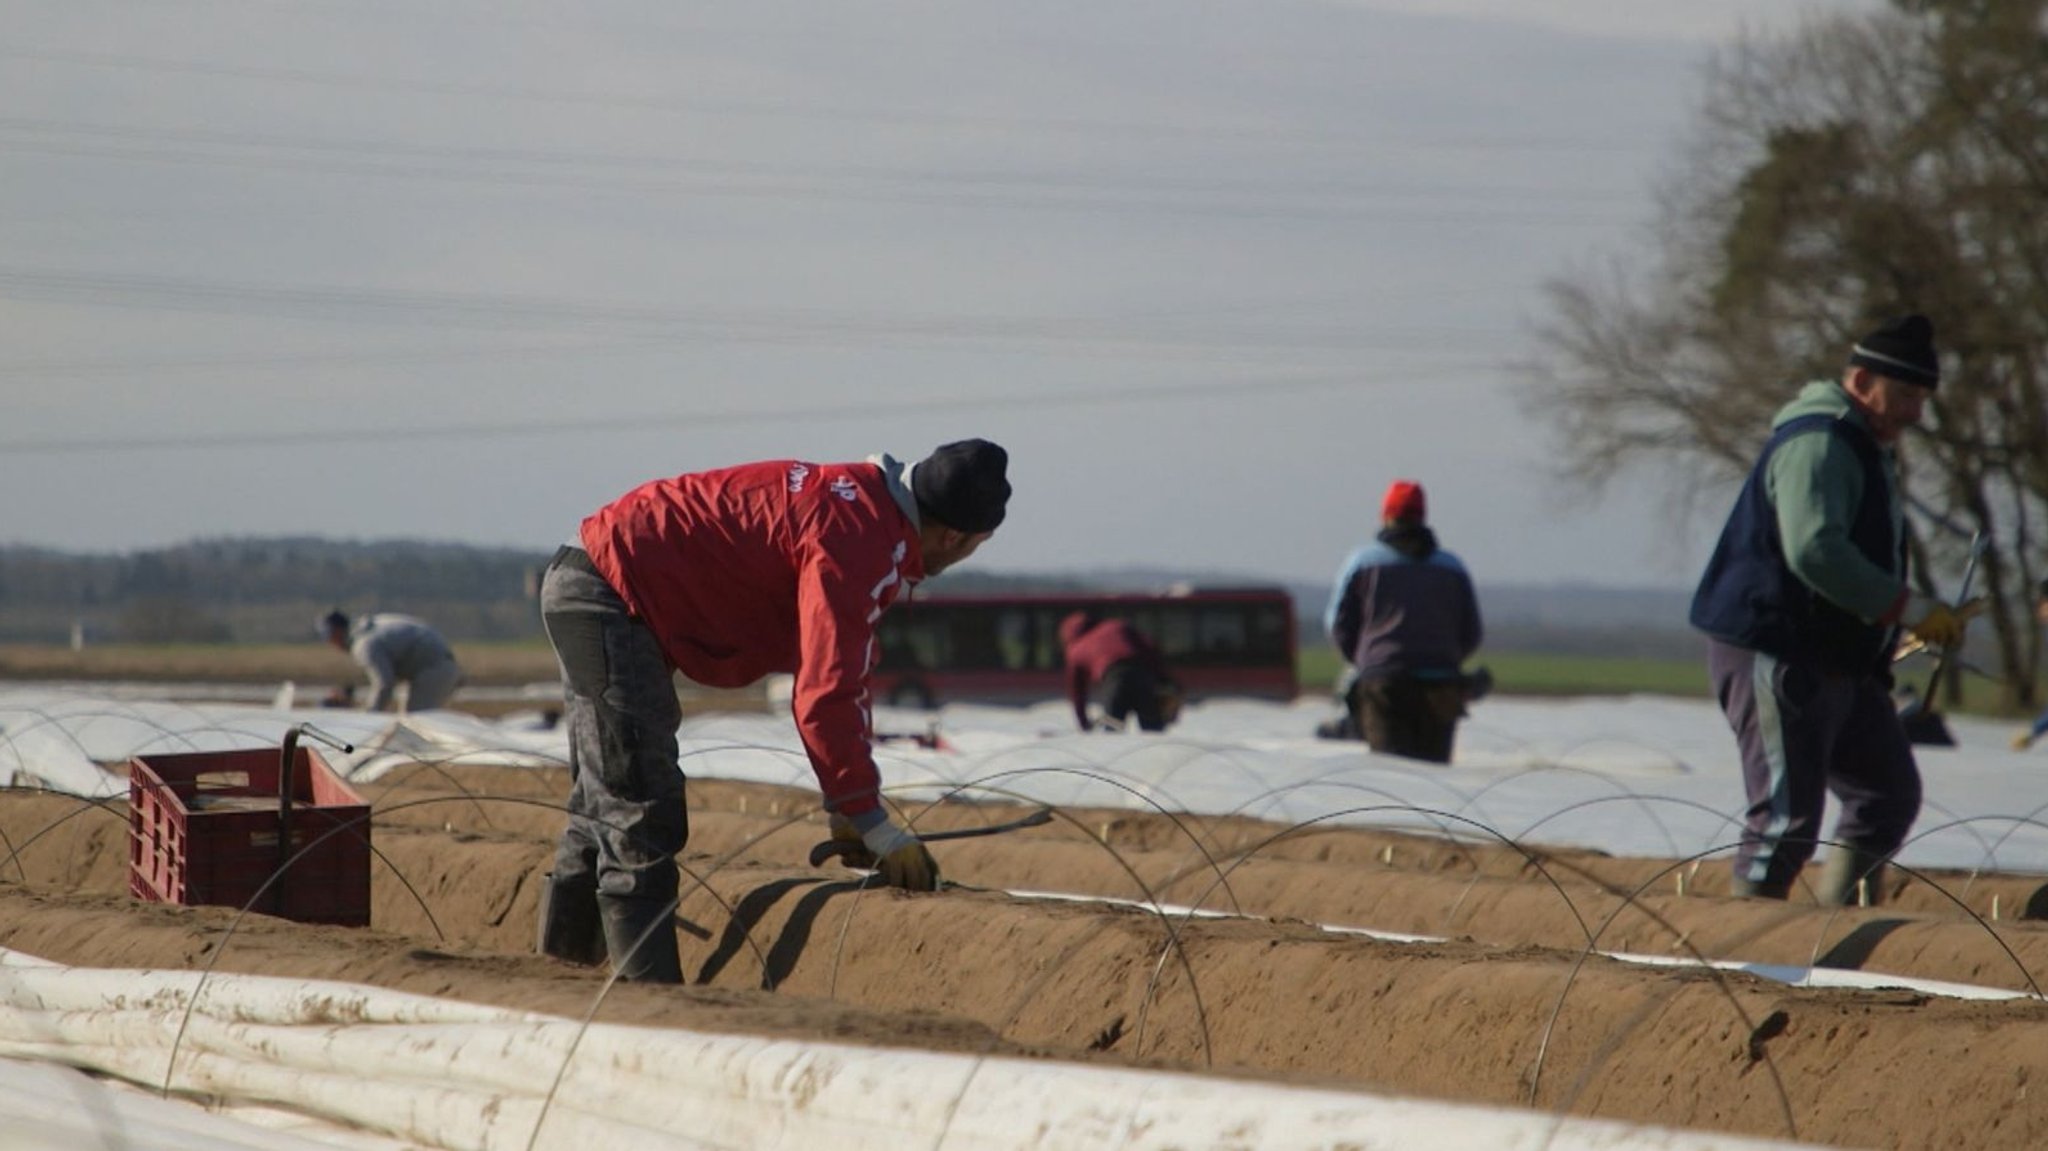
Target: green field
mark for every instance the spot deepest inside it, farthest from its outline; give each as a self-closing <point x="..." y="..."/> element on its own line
<point x="1525" y="673"/>
<point x="532" y="661"/>
<point x="1532" y="673"/>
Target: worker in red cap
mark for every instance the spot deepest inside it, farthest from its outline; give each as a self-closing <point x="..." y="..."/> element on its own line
<point x="725" y="576"/>
<point x="1404" y="615"/>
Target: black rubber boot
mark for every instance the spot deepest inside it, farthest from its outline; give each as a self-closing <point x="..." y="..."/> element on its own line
<point x="1851" y="877"/>
<point x="1750" y="889"/>
<point x="643" y="931"/>
<point x="569" y="925"/>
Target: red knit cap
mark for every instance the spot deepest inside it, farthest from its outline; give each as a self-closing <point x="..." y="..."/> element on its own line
<point x="1404" y="502"/>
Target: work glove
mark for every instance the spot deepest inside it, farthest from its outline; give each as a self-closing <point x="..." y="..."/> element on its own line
<point x="1935" y="623"/>
<point x="856" y="854"/>
<point x="900" y="858"/>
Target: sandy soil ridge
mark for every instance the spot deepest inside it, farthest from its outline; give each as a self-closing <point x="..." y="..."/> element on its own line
<point x="1508" y="1006"/>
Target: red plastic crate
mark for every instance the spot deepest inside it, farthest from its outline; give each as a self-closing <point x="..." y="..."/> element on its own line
<point x="203" y="828"/>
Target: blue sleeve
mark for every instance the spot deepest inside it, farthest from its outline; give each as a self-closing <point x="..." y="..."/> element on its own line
<point x="1340" y="589"/>
<point x="1475" y="632"/>
<point x="1344" y="615"/>
<point x="1470" y="631"/>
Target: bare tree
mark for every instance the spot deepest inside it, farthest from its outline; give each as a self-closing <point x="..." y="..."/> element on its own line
<point x="1851" y="171"/>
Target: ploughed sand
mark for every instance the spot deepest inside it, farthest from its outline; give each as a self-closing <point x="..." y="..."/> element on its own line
<point x="1507" y="1006"/>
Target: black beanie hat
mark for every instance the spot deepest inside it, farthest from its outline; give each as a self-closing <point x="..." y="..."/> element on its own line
<point x="962" y="485"/>
<point x="1902" y="349"/>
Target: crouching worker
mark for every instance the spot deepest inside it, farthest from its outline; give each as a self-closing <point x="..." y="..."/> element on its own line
<point x="726" y="576"/>
<point x="1115" y="664"/>
<point x="392" y="649"/>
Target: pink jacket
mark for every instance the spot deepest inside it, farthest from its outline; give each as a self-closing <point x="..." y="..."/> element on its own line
<point x="1092" y="651"/>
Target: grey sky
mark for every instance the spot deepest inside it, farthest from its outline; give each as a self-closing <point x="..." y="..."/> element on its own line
<point x="465" y="269"/>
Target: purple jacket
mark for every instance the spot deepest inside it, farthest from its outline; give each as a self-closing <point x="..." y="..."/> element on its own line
<point x="1404" y="607"/>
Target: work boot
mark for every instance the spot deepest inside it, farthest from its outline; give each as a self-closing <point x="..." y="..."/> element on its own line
<point x="1851" y="877"/>
<point x="643" y="932"/>
<point x="569" y="924"/>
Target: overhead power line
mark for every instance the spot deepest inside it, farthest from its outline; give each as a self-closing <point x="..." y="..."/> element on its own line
<point x="506" y="429"/>
<point x="533" y="315"/>
<point x="1262" y="133"/>
<point x="545" y="165"/>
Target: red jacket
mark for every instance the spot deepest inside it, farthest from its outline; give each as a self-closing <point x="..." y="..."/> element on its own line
<point x="774" y="566"/>
<point x="1092" y="651"/>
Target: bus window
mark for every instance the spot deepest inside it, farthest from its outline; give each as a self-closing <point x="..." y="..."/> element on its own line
<point x="919" y="643"/>
<point x="1013" y="638"/>
<point x="1047" y="654"/>
<point x="1222" y="631"/>
<point x="1171" y="628"/>
<point x="976" y="647"/>
<point x="1272" y="632"/>
<point x="1007" y="648"/>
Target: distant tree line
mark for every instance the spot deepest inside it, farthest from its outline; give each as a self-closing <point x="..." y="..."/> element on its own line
<point x="272" y="590"/>
<point x="263" y="590"/>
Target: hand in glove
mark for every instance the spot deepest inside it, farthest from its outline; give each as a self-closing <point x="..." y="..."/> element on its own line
<point x="899" y="857"/>
<point x="856" y="853"/>
<point x="1936" y="624"/>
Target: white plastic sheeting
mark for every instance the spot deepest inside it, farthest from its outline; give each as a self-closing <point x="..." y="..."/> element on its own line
<point x="69" y="740"/>
<point x="440" y="1074"/>
<point x="1633" y="776"/>
<point x="1787" y="973"/>
<point x="46" y="1107"/>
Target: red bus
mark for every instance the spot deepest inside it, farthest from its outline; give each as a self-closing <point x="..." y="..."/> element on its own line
<point x="1233" y="641"/>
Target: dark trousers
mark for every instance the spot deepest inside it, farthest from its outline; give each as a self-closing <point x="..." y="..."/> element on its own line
<point x="1406" y="716"/>
<point x="627" y="815"/>
<point x="1129" y="688"/>
<point x="1804" y="731"/>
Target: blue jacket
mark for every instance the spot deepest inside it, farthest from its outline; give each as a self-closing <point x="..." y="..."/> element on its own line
<point x="1404" y="607"/>
<point x="1755" y="595"/>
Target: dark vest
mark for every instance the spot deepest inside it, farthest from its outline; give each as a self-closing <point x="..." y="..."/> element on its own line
<point x="1749" y="596"/>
